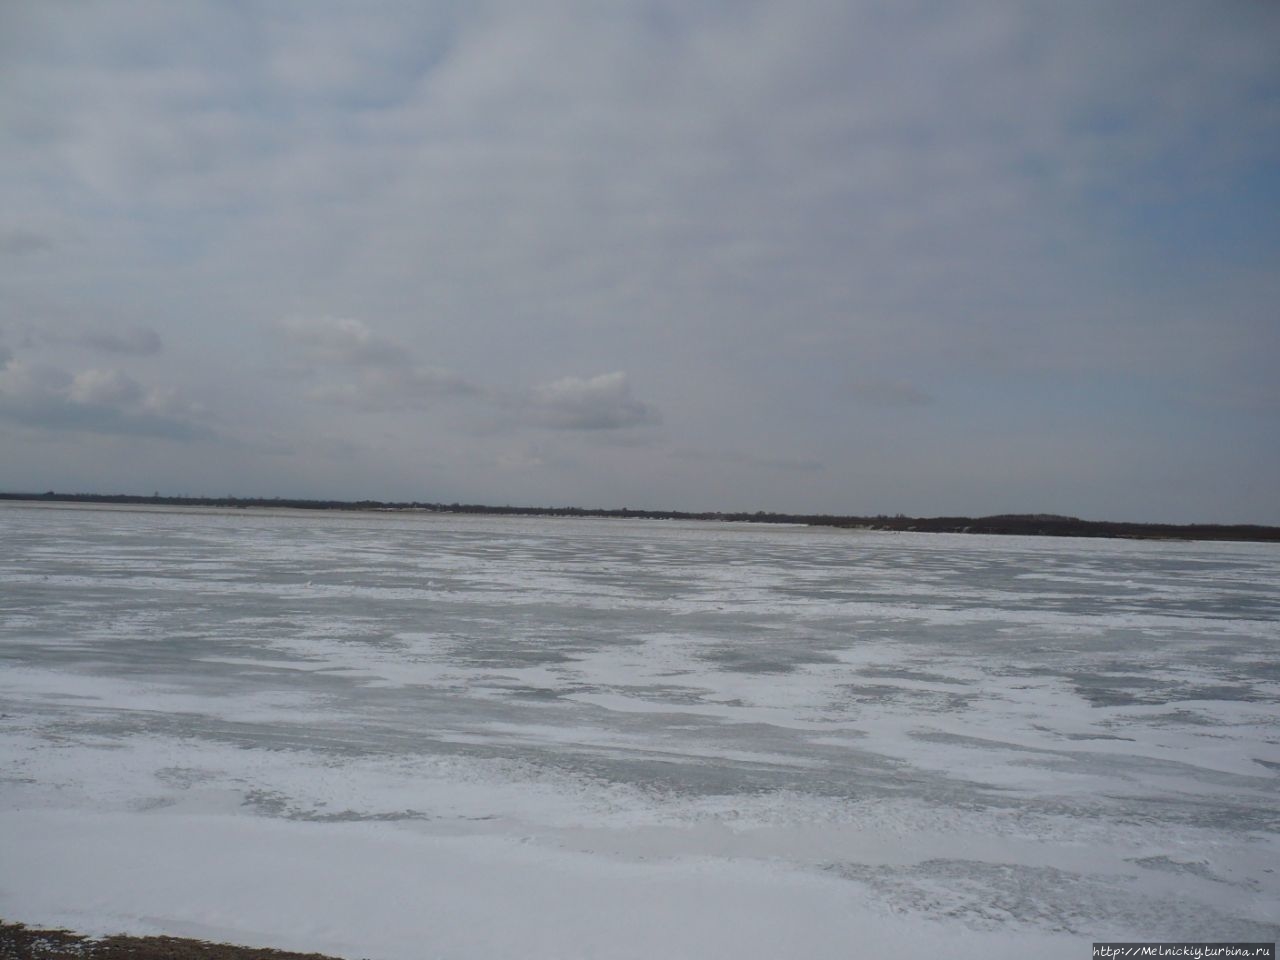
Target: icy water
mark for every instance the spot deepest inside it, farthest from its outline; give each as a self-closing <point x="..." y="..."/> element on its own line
<point x="405" y="736"/>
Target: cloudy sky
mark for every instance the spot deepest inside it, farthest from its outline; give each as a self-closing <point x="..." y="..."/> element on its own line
<point x="929" y="258"/>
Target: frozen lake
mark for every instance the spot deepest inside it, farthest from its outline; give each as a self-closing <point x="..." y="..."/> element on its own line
<point x="404" y="736"/>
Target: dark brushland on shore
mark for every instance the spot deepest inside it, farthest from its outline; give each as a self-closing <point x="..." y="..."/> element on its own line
<point x="20" y="942"/>
<point x="1020" y="524"/>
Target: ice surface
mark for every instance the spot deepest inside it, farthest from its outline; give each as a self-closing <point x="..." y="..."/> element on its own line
<point x="399" y="736"/>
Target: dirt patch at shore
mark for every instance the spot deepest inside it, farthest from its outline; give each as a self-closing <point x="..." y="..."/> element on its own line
<point x="20" y="942"/>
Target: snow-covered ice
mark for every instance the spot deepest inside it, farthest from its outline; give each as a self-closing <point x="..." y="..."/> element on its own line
<point x="405" y="736"/>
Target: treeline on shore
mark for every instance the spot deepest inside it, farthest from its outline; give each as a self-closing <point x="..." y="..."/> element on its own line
<point x="1022" y="524"/>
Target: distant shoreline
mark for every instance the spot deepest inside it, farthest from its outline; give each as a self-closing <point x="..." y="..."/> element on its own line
<point x="1046" y="525"/>
<point x="20" y="941"/>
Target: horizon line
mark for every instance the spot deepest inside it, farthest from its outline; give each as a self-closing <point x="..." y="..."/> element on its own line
<point x="1030" y="524"/>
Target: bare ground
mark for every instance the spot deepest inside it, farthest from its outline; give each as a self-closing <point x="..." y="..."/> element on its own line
<point x="20" y="942"/>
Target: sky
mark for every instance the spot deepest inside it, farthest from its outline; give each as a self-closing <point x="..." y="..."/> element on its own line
<point x="933" y="258"/>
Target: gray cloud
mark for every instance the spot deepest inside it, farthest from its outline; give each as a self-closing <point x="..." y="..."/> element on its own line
<point x="1050" y="217"/>
<point x="342" y="342"/>
<point x="375" y="388"/>
<point x="381" y="374"/>
<point x="93" y="401"/>
<point x="104" y="388"/>
<point x="135" y="341"/>
<point x="740" y="459"/>
<point x="887" y="393"/>
<point x="602" y="402"/>
<point x="22" y="242"/>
